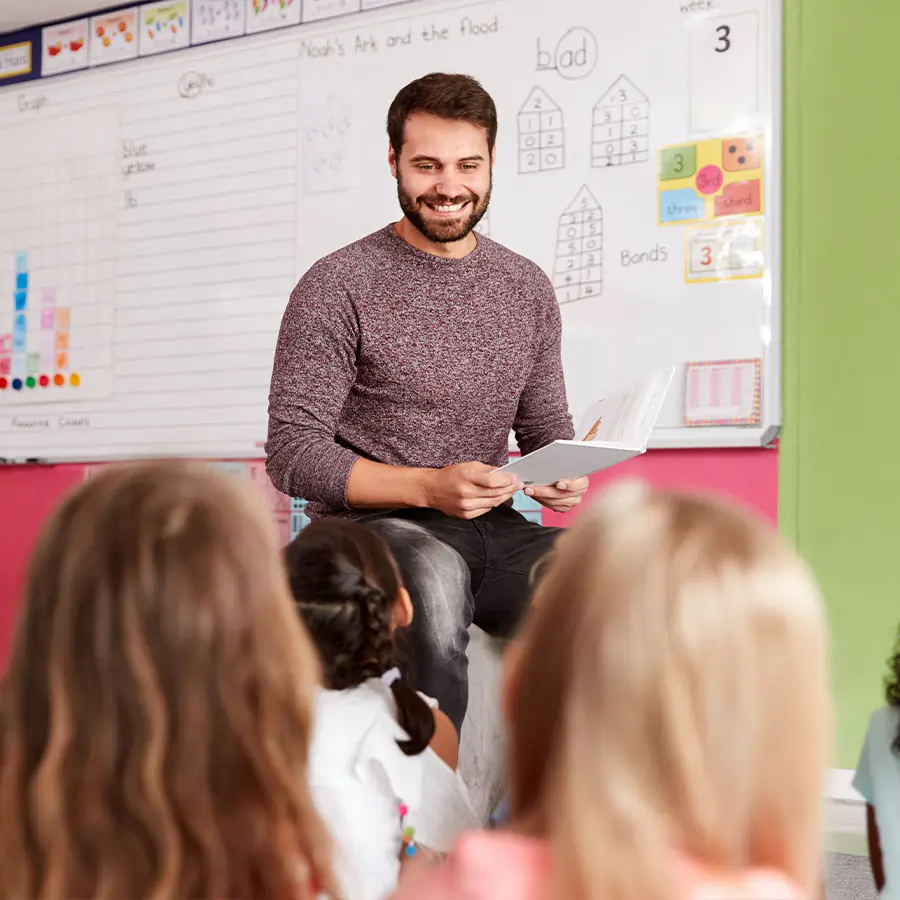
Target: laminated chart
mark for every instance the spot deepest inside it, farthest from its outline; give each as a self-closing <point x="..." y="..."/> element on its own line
<point x="57" y="260"/>
<point x="711" y="179"/>
<point x="620" y="132"/>
<point x="724" y="251"/>
<point x="578" y="270"/>
<point x="541" y="134"/>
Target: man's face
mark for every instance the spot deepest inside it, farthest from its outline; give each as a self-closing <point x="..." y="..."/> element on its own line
<point x="443" y="176"/>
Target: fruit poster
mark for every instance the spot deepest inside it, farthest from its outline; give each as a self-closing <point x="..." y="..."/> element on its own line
<point x="65" y="47"/>
<point x="164" y="26"/>
<point x="114" y="36"/>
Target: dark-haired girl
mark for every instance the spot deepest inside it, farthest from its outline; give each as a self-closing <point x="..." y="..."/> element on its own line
<point x="383" y="757"/>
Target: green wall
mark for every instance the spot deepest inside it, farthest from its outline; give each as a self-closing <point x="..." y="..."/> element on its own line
<point x="840" y="448"/>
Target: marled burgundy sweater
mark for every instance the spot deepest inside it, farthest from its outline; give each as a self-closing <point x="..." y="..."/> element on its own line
<point x="406" y="358"/>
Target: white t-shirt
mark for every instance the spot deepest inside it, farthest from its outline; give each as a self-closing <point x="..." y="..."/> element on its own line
<point x="878" y="780"/>
<point x="359" y="777"/>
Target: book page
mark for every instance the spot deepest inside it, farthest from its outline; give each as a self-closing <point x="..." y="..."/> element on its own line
<point x="626" y="418"/>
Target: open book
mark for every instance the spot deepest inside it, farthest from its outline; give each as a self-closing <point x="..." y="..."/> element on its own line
<point x="611" y="431"/>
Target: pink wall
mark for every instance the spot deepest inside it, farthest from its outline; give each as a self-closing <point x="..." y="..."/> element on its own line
<point x="29" y="493"/>
<point x="749" y="476"/>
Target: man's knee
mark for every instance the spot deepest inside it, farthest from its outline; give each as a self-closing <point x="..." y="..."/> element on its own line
<point x="436" y="576"/>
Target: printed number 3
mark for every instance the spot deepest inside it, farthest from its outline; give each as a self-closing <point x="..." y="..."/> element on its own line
<point x="705" y="256"/>
<point x="679" y="163"/>
<point x="724" y="33"/>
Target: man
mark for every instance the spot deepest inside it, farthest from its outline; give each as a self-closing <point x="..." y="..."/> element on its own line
<point x="403" y="362"/>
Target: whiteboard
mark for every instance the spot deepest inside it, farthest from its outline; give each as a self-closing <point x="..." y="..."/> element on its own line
<point x="157" y="213"/>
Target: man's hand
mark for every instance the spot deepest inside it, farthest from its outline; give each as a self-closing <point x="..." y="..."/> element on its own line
<point x="560" y="497"/>
<point x="468" y="490"/>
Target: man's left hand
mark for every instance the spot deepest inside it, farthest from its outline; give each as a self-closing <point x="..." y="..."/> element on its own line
<point x="560" y="497"/>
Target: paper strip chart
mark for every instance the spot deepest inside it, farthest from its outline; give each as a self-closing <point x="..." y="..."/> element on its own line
<point x="578" y="270"/>
<point x="711" y="179"/>
<point x="724" y="392"/>
<point x="621" y="126"/>
<point x="541" y="134"/>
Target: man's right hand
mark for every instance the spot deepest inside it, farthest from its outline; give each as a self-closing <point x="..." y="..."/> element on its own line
<point x="468" y="490"/>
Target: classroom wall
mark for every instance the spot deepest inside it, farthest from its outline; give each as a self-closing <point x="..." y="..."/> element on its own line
<point x="839" y="472"/>
<point x="29" y="493"/>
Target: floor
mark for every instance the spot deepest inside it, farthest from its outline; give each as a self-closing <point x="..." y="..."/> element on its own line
<point x="849" y="878"/>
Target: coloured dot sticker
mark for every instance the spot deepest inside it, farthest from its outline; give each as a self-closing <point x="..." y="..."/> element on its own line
<point x="32" y="381"/>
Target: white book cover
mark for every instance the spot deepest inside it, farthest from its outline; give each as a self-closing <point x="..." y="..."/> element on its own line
<point x="609" y="432"/>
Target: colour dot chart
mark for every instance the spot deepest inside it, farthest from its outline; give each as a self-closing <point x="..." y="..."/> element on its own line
<point x="56" y="260"/>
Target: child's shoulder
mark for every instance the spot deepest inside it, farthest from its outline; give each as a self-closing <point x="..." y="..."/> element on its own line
<point x="700" y="883"/>
<point x="885" y="721"/>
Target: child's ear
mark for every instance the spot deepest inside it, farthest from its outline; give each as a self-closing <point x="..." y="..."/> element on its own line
<point x="403" y="609"/>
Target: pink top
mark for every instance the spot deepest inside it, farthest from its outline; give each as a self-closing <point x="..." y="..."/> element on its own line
<point x="501" y="866"/>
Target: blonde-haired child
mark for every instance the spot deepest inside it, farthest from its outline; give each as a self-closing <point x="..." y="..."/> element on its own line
<point x="669" y="716"/>
<point x="155" y="718"/>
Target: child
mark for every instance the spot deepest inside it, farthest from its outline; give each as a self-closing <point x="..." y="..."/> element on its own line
<point x="878" y="780"/>
<point x="669" y="717"/>
<point x="382" y="758"/>
<point x="155" y="717"/>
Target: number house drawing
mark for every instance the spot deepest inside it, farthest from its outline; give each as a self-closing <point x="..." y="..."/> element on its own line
<point x="578" y="271"/>
<point x="541" y="134"/>
<point x="621" y="126"/>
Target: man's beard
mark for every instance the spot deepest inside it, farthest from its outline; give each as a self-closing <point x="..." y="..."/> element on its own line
<point x="449" y="230"/>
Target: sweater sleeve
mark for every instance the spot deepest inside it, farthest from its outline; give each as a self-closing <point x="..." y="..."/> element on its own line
<point x="313" y="372"/>
<point x="543" y="413"/>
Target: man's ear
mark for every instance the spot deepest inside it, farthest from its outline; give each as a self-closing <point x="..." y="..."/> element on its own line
<point x="392" y="160"/>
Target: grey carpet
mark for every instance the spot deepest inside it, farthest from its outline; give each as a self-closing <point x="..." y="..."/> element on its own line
<point x="849" y="878"/>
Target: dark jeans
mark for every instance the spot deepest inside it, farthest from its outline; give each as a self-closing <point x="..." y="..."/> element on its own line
<point x="460" y="571"/>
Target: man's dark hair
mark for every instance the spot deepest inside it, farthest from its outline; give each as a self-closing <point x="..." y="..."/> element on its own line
<point x="446" y="96"/>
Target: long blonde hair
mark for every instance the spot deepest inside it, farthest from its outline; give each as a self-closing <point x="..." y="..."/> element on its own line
<point x="155" y="717"/>
<point x="670" y="696"/>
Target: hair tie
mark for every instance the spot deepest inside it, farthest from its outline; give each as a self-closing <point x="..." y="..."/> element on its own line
<point x="389" y="677"/>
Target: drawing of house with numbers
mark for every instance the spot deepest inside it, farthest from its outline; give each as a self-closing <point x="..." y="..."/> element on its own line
<point x="541" y="134"/>
<point x="578" y="270"/>
<point x="621" y="126"/>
